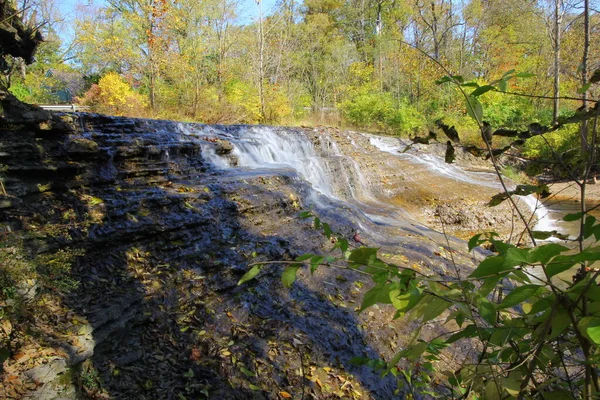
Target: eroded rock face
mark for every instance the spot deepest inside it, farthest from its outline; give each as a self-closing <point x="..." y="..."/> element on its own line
<point x="16" y="38"/>
<point x="161" y="241"/>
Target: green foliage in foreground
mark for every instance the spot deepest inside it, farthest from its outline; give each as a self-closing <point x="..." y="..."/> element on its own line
<point x="533" y="326"/>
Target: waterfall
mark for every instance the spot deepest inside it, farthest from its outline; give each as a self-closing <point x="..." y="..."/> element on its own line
<point x="398" y="147"/>
<point x="262" y="147"/>
<point x="335" y="178"/>
<point x="542" y="213"/>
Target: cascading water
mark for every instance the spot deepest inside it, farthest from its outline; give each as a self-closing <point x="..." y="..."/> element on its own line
<point x="263" y="148"/>
<point x="398" y="148"/>
<point x="335" y="178"/>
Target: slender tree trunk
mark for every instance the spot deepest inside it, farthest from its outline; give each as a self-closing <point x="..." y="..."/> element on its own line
<point x="152" y="87"/>
<point x="584" y="74"/>
<point x="434" y="31"/>
<point x="378" y="30"/>
<point x="261" y="72"/>
<point x="557" y="39"/>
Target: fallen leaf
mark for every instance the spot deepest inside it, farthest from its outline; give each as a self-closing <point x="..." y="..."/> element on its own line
<point x="285" y="395"/>
<point x="196" y="355"/>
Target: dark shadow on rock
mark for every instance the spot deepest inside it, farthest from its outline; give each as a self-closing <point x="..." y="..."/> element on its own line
<point x="158" y="313"/>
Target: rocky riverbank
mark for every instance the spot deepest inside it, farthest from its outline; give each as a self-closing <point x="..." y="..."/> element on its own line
<point x="125" y="246"/>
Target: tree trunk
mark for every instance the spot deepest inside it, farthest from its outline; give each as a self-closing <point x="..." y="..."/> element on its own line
<point x="584" y="73"/>
<point x="557" y="38"/>
<point x="261" y="72"/>
<point x="378" y="31"/>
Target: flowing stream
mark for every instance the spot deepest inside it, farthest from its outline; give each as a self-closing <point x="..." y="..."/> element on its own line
<point x="336" y="181"/>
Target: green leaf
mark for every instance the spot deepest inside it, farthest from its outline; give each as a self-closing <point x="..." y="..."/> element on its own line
<point x="558" y="265"/>
<point x="363" y="255"/>
<point x="545" y="253"/>
<point x="515" y="256"/>
<point x="588" y="226"/>
<point x="542" y="235"/>
<point x="590" y="328"/>
<point x="502" y="85"/>
<point x="467" y="332"/>
<point x="488" y="285"/>
<point x="358" y="361"/>
<point x="597" y="232"/>
<point x="327" y="230"/>
<point x="304" y="257"/>
<point x="590" y="254"/>
<point x="443" y="80"/>
<point x="474" y="109"/>
<point x="560" y="322"/>
<point x="380" y="293"/>
<point x="434" y="308"/>
<point x="247" y="372"/>
<point x="507" y="73"/>
<point x="584" y="88"/>
<point x="253" y="387"/>
<point x="572" y="217"/>
<point x="250" y="274"/>
<point x="490" y="266"/>
<point x="481" y="90"/>
<point x="289" y="275"/>
<point x="542" y="305"/>
<point x="500" y="246"/>
<point x="305" y="214"/>
<point x="499" y="336"/>
<point x="414" y="352"/>
<point x="406" y="301"/>
<point x="518" y="295"/>
<point x="315" y="261"/>
<point x="486" y="310"/>
<point x="343" y="245"/>
<point x="512" y="384"/>
<point x="317" y="223"/>
<point x="474" y="241"/>
<point x="497" y="199"/>
<point x="492" y="390"/>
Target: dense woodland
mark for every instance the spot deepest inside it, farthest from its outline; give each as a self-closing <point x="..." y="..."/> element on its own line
<point x="369" y="64"/>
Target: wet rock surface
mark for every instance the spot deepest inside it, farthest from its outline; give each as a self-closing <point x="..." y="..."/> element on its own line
<point x="411" y="177"/>
<point x="161" y="239"/>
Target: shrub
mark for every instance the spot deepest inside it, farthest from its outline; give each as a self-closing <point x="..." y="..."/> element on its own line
<point x="381" y="111"/>
<point x="559" y="141"/>
<point x="35" y="89"/>
<point x="112" y="95"/>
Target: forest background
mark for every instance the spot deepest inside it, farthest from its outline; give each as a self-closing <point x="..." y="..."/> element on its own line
<point x="367" y="64"/>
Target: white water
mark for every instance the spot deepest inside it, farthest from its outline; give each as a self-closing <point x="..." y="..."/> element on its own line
<point x="397" y="147"/>
<point x="333" y="174"/>
<point x="264" y="148"/>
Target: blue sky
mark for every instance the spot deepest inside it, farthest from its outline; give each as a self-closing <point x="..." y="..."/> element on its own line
<point x="247" y="13"/>
<point x="248" y="10"/>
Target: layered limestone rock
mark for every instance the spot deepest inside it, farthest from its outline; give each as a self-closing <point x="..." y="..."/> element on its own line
<point x="156" y="242"/>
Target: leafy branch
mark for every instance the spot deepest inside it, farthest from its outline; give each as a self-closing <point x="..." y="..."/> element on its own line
<point x="528" y="325"/>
